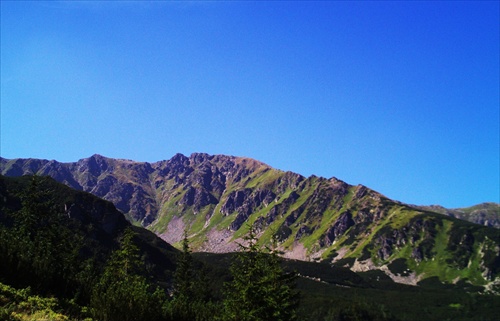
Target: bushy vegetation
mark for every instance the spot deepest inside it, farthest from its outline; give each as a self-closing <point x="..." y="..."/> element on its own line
<point x="66" y="274"/>
<point x="53" y="267"/>
<point x="22" y="305"/>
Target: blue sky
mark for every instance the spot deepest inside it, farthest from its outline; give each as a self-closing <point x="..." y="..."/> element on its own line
<point x="402" y="97"/>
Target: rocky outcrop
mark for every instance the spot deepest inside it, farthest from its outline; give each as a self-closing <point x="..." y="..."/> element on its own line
<point x="215" y="196"/>
<point x="245" y="202"/>
<point x="343" y="223"/>
<point x="282" y="208"/>
<point x="197" y="198"/>
<point x="420" y="233"/>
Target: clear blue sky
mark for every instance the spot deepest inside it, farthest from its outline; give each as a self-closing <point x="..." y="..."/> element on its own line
<point x="402" y="97"/>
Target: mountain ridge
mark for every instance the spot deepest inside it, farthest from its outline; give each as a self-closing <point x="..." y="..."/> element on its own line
<point x="216" y="197"/>
<point x="97" y="160"/>
<point x="321" y="284"/>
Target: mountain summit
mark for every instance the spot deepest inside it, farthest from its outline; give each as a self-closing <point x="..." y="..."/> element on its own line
<point x="216" y="197"/>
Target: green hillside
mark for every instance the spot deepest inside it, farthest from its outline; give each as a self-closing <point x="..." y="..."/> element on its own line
<point x="215" y="198"/>
<point x="78" y="242"/>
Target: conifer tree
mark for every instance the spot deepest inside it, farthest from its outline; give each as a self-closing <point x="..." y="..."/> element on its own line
<point x="183" y="286"/>
<point x="43" y="248"/>
<point x="260" y="290"/>
<point x="122" y="293"/>
<point x="191" y="299"/>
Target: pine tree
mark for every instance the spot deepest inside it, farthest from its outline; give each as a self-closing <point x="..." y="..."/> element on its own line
<point x="183" y="286"/>
<point x="122" y="293"/>
<point x="126" y="261"/>
<point x="191" y="299"/>
<point x="260" y="290"/>
<point x="43" y="248"/>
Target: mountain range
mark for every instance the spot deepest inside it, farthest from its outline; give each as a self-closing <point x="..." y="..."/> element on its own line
<point x="215" y="198"/>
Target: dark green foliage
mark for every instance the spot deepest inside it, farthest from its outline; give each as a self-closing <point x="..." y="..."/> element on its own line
<point x="398" y="266"/>
<point x="74" y="259"/>
<point x="260" y="289"/>
<point x="326" y="290"/>
<point x="341" y="310"/>
<point x="122" y="293"/>
<point x="184" y="286"/>
<point x="191" y="297"/>
<point x="348" y="261"/>
<point x="38" y="246"/>
<point x="492" y="260"/>
<point x="327" y="273"/>
<point x="461" y="244"/>
<point x="43" y="248"/>
<point x="322" y="301"/>
<point x="365" y="253"/>
<point x="283" y="232"/>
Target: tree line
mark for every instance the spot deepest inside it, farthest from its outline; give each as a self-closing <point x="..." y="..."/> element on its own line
<point x="45" y="254"/>
<point x="41" y="249"/>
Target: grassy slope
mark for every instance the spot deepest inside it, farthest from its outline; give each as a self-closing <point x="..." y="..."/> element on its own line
<point x="358" y="241"/>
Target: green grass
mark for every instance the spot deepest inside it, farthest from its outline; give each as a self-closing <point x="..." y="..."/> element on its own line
<point x="263" y="177"/>
<point x="439" y="266"/>
<point x="400" y="216"/>
<point x="199" y="219"/>
<point x="311" y="241"/>
<point x="167" y="212"/>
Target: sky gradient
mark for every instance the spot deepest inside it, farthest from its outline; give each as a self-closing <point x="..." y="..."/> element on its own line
<point x="402" y="97"/>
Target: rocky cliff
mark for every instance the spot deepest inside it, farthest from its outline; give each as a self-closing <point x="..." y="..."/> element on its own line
<point x="217" y="197"/>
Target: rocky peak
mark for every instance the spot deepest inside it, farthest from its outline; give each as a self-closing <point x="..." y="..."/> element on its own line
<point x="179" y="159"/>
<point x="321" y="216"/>
<point x="361" y="191"/>
<point x="15" y="168"/>
<point x="95" y="164"/>
<point x="487" y="214"/>
<point x="199" y="158"/>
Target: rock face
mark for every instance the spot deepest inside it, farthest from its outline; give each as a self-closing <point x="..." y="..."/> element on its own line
<point x="487" y="214"/>
<point x="216" y="198"/>
<point x="341" y="226"/>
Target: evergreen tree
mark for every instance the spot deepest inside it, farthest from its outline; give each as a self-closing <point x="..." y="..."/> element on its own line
<point x="183" y="278"/>
<point x="260" y="290"/>
<point x="191" y="297"/>
<point x="42" y="248"/>
<point x="122" y="293"/>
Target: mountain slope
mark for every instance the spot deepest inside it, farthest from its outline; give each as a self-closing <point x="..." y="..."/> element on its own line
<point x="216" y="197"/>
<point x="86" y="219"/>
<point x="487" y="214"/>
